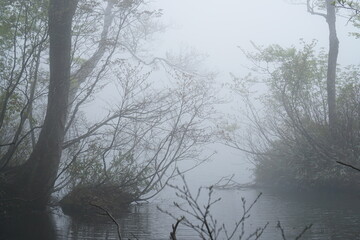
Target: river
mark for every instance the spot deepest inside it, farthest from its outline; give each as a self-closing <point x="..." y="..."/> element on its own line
<point x="333" y="215"/>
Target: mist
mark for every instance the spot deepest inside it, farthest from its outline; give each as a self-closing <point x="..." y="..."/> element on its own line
<point x="179" y="119"/>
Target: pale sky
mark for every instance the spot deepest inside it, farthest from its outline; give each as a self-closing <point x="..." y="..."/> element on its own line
<point x="218" y="27"/>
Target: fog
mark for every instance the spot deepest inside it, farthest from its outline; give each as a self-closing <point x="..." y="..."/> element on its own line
<point x="112" y="110"/>
<point x="218" y="30"/>
<point x="215" y="32"/>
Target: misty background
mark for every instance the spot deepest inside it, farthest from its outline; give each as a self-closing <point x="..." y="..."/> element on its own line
<point x="216" y="30"/>
<point x="128" y="133"/>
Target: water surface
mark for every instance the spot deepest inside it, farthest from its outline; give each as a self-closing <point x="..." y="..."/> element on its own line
<point x="333" y="215"/>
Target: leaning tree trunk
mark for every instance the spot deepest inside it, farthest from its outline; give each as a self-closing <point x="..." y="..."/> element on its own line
<point x="35" y="180"/>
<point x="332" y="61"/>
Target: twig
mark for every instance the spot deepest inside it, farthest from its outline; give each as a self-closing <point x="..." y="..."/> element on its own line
<point x="110" y="216"/>
<point x="282" y="230"/>
<point x="174" y="228"/>
<point x="203" y="221"/>
<point x="7" y="144"/>
<point x="306" y="228"/>
<point x="303" y="231"/>
<point x="348" y="165"/>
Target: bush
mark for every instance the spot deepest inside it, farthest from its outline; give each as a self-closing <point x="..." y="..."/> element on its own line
<point x="82" y="198"/>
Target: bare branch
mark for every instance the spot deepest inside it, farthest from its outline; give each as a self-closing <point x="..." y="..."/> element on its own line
<point x="111" y="217"/>
<point x="348" y="165"/>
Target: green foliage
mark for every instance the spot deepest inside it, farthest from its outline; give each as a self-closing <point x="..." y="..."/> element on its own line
<point x="91" y="169"/>
<point x="297" y="147"/>
<point x="82" y="198"/>
<point x="356" y="22"/>
<point x="133" y="143"/>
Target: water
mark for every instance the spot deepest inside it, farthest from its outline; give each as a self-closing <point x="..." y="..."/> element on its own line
<point x="334" y="216"/>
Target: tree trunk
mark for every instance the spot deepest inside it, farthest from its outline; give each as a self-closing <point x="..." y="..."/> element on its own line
<point x="35" y="179"/>
<point x="332" y="62"/>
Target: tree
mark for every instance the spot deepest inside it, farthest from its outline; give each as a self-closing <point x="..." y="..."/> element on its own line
<point x="330" y="18"/>
<point x="353" y="6"/>
<point x="24" y="38"/>
<point x="198" y="216"/>
<point x="289" y="138"/>
<point x="34" y="180"/>
<point x="353" y="9"/>
<point x="146" y="131"/>
<point x="303" y="130"/>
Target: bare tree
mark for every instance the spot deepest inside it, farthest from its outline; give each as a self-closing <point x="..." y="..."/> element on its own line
<point x="199" y="217"/>
<point x="141" y="137"/>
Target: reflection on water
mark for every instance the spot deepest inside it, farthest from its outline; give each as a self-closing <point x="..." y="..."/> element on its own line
<point x="334" y="216"/>
<point x="143" y="221"/>
<point x="28" y="225"/>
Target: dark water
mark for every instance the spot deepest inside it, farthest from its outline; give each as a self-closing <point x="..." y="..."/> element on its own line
<point x="333" y="215"/>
